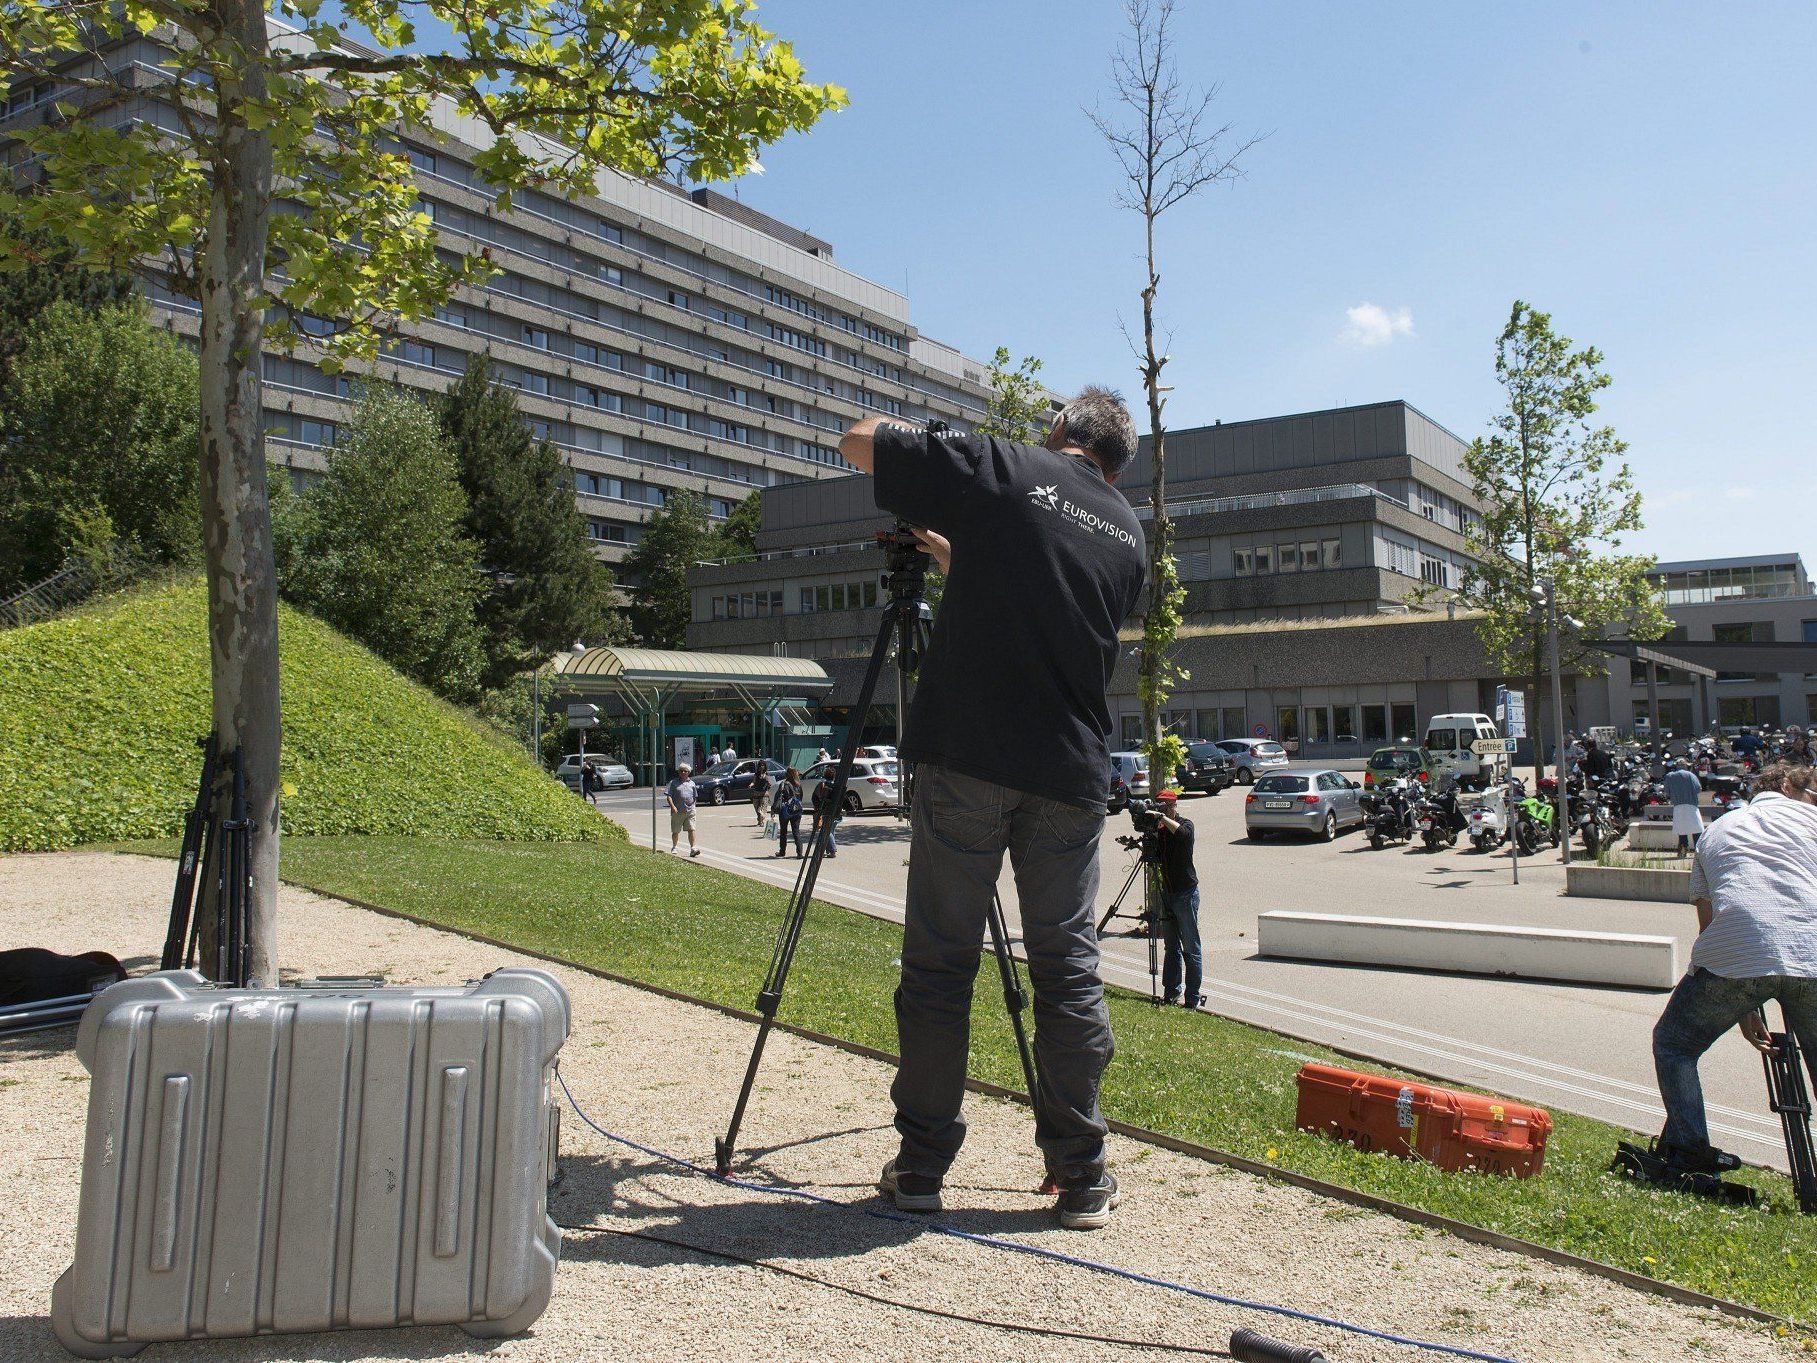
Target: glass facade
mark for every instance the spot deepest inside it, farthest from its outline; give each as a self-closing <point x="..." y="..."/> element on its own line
<point x="1699" y="586"/>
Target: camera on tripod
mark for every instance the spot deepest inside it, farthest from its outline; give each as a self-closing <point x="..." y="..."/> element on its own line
<point x="1145" y="815"/>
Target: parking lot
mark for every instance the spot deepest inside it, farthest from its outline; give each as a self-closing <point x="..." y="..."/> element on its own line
<point x="1578" y="1047"/>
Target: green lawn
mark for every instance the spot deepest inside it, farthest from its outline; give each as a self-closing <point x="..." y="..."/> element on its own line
<point x="709" y="934"/>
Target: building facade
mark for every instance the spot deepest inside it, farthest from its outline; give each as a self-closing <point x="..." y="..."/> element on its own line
<point x="1759" y="599"/>
<point x="663" y="339"/>
<point x="1294" y="536"/>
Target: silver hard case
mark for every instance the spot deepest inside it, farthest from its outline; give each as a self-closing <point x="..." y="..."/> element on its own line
<point x="316" y="1158"/>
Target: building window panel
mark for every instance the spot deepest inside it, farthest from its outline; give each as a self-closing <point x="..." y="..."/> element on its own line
<point x="1333" y="553"/>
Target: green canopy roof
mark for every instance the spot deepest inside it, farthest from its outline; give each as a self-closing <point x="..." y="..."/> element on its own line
<point x="673" y="669"/>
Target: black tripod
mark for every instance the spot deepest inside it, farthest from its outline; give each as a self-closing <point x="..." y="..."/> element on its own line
<point x="904" y="629"/>
<point x="217" y="851"/>
<point x="1791" y="1100"/>
<point x="1147" y="848"/>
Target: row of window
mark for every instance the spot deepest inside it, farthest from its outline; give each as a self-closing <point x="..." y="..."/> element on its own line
<point x="829" y="596"/>
<point x="429" y="163"/>
<point x="1295" y="725"/>
<point x="1307" y="556"/>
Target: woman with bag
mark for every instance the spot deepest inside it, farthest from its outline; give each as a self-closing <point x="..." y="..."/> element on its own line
<point x="786" y="804"/>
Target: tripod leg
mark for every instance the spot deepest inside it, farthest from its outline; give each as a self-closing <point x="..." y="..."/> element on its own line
<point x="189" y="864"/>
<point x="1015" y="999"/>
<point x="1116" y="905"/>
<point x="1151" y="904"/>
<point x="769" y="999"/>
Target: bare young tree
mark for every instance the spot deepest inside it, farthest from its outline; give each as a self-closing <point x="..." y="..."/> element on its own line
<point x="1168" y="146"/>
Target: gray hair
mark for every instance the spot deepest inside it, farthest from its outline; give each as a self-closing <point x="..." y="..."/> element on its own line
<point x="1098" y="423"/>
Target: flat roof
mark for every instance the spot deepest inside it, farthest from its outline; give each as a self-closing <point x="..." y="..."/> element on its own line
<point x="1317" y="411"/>
<point x="1695" y="565"/>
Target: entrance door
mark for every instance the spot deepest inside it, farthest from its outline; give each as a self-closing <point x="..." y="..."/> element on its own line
<point x="1287" y="730"/>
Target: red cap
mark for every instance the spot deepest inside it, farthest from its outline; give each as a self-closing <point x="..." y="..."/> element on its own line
<point x="1169" y="795"/>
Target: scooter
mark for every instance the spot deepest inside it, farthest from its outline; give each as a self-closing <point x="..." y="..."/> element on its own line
<point x="1487" y="820"/>
<point x="1438" y="818"/>
<point x="1390" y="810"/>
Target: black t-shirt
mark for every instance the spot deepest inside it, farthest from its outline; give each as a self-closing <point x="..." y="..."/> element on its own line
<point x="1177" y="871"/>
<point x="1048" y="561"/>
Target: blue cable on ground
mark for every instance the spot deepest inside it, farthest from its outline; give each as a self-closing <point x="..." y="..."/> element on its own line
<point x="886" y="1213"/>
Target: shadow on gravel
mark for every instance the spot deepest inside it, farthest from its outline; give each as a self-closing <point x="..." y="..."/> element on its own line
<point x="622" y="1195"/>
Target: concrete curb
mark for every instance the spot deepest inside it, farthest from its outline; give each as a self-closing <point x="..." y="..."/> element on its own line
<point x="1629" y="882"/>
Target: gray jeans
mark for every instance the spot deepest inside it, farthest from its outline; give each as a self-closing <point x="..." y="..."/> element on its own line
<point x="1701" y="1009"/>
<point x="961" y="828"/>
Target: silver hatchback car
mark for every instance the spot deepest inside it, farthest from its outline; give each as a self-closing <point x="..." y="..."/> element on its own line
<point x="1250" y="757"/>
<point x="1317" y="801"/>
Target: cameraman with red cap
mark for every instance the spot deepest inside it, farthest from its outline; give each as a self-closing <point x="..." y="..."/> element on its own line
<point x="1180" y="909"/>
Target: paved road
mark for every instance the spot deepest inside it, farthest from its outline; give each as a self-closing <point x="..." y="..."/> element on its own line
<point x="1581" y="1048"/>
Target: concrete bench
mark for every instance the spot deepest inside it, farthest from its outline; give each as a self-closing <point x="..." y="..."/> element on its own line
<point x="1472" y="948"/>
<point x="1654" y="837"/>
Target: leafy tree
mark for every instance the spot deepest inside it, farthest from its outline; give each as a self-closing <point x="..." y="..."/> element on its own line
<point x="98" y="444"/>
<point x="739" y="533"/>
<point x="1017" y="408"/>
<point x="377" y="548"/>
<point x="1557" y="499"/>
<point x="565" y="88"/>
<point x="39" y="271"/>
<point x="1168" y="149"/>
<point x="544" y="587"/>
<point x="674" y="538"/>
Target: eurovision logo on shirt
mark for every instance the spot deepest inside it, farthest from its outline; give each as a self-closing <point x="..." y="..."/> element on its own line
<point x="1049" y="497"/>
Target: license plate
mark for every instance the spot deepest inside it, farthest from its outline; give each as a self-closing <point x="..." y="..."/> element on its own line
<point x="1277" y="804"/>
<point x="1425" y="824"/>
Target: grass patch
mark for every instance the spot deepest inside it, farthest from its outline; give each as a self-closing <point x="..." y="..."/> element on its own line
<point x="709" y="934"/>
<point x="102" y="708"/>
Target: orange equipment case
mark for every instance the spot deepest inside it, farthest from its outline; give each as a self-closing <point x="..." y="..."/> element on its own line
<point x="1452" y="1130"/>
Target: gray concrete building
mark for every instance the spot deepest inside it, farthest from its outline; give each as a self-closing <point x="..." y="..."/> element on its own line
<point x="1760" y="599"/>
<point x="1291" y="532"/>
<point x="663" y="338"/>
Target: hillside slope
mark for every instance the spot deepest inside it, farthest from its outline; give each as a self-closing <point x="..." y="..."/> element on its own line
<point x="99" y="713"/>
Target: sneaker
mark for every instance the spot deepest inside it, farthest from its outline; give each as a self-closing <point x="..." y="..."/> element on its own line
<point x="911" y="1192"/>
<point x="693" y="851"/>
<point x="1087" y="1197"/>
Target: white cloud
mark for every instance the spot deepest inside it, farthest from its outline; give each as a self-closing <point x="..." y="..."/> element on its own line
<point x="1740" y="492"/>
<point x="1370" y="324"/>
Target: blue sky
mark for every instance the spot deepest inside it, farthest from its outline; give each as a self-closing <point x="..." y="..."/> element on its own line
<point x="1645" y="172"/>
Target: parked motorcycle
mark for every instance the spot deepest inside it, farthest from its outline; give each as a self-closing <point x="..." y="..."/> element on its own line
<point x="1535" y="821"/>
<point x="1439" y="819"/>
<point x="1487" y="821"/>
<point x="1390" y="813"/>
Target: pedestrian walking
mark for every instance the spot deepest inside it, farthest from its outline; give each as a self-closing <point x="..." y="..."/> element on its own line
<point x="1755" y="887"/>
<point x="681" y="795"/>
<point x="762" y="786"/>
<point x="826" y="811"/>
<point x="589" y="783"/>
<point x="1685" y="791"/>
<point x="786" y="804"/>
<point x="823" y="756"/>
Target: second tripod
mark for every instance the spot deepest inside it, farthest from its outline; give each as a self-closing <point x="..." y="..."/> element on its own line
<point x="904" y="631"/>
<point x="216" y="857"/>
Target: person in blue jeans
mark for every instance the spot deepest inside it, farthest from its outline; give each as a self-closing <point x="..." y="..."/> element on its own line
<point x="1184" y="970"/>
<point x="825" y="812"/>
<point x="786" y="803"/>
<point x="1755" y="887"/>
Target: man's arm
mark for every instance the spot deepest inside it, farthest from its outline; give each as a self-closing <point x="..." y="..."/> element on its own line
<point x="1705" y="913"/>
<point x="855" y="444"/>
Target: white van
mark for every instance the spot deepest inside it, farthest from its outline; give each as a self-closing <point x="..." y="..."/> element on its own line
<point x="1448" y="740"/>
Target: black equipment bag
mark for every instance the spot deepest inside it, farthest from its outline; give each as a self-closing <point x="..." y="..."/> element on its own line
<point x="32" y="974"/>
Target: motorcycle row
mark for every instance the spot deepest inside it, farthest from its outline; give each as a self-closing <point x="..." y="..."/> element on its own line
<point x="1598" y="810"/>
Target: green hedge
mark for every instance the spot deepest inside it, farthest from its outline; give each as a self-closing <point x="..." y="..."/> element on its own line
<point x="99" y="712"/>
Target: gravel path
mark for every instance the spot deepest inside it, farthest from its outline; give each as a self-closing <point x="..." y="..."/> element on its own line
<point x="664" y="1073"/>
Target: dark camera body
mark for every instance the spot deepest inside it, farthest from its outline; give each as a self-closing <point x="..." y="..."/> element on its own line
<point x="1145" y="815"/>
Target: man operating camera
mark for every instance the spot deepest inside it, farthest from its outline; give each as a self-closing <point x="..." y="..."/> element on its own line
<point x="1184" y="972"/>
<point x="1044" y="560"/>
